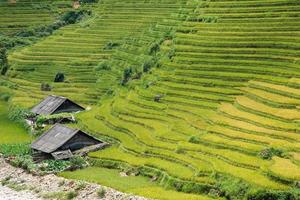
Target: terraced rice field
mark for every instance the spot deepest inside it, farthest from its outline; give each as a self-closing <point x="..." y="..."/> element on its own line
<point x="227" y="76"/>
<point x="21" y="14"/>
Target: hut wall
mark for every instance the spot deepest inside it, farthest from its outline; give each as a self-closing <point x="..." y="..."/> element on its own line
<point x="68" y="107"/>
<point x="79" y="141"/>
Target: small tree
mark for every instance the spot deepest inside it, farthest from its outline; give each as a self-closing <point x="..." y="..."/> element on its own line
<point x="45" y="87"/>
<point x="3" y="61"/>
<point x="126" y="75"/>
<point x="59" y="77"/>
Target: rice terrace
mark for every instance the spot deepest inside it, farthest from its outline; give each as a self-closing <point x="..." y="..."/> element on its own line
<point x="150" y="99"/>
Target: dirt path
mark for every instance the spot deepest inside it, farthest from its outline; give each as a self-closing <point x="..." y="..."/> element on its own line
<point x="16" y="184"/>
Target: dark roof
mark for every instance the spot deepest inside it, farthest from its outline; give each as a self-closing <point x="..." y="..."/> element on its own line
<point x="54" y="138"/>
<point x="50" y="104"/>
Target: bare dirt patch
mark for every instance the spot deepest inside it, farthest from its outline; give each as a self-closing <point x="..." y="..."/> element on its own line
<point x="17" y="184"/>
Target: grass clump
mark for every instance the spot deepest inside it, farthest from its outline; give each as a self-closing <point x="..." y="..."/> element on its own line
<point x="101" y="192"/>
<point x="60" y="195"/>
<point x="8" y="150"/>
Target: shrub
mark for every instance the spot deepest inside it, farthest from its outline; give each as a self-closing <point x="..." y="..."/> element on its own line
<point x="72" y="17"/>
<point x="45" y="87"/>
<point x="101" y="192"/>
<point x="71" y="195"/>
<point x="18" y="114"/>
<point x="78" y="162"/>
<point x="3" y="61"/>
<point x="55" y="165"/>
<point x="274" y="195"/>
<point x="15" y="149"/>
<point x="59" y="77"/>
<point x="88" y="1"/>
<point x="268" y="153"/>
<point x="194" y="139"/>
<point x="104" y="65"/>
<point x="154" y="48"/>
<point x="148" y="64"/>
<point x="24" y="162"/>
<point x="232" y="188"/>
<point x="110" y="45"/>
<point x="127" y="73"/>
<point x="5" y="97"/>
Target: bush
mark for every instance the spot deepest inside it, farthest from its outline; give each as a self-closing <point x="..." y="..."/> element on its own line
<point x="24" y="162"/>
<point x="55" y="165"/>
<point x="110" y="45"/>
<point x="45" y="87"/>
<point x="127" y="73"/>
<point x="15" y="149"/>
<point x="71" y="195"/>
<point x="5" y="97"/>
<point x="78" y="162"/>
<point x="88" y="1"/>
<point x="72" y="17"/>
<point x="18" y="114"/>
<point x="3" y="61"/>
<point x="104" y="65"/>
<point x="154" y="48"/>
<point x="274" y="195"/>
<point x="268" y="153"/>
<point x="233" y="188"/>
<point x="101" y="192"/>
<point x="194" y="139"/>
<point x="148" y="64"/>
<point x="59" y="77"/>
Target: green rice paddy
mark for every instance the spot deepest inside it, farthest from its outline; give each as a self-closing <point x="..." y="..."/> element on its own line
<point x="11" y="132"/>
<point x="212" y="93"/>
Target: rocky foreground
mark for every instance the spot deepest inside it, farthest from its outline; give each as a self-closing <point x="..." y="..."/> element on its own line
<point x="17" y="184"/>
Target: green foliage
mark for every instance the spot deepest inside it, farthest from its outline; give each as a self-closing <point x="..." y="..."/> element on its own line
<point x="154" y="48"/>
<point x="8" y="150"/>
<point x="274" y="195"/>
<point x="194" y="139"/>
<point x="18" y="114"/>
<point x="55" y="165"/>
<point x="5" y="96"/>
<point x="233" y="188"/>
<point x="148" y="64"/>
<point x="268" y="153"/>
<point x="59" y="77"/>
<point x="72" y="17"/>
<point x="104" y="65"/>
<point x="60" y="195"/>
<point x="78" y="162"/>
<point x="88" y="1"/>
<point x="3" y="61"/>
<point x="71" y="195"/>
<point x="50" y="119"/>
<point x="45" y="87"/>
<point x="110" y="45"/>
<point x="25" y="162"/>
<point x="127" y="73"/>
<point x="101" y="192"/>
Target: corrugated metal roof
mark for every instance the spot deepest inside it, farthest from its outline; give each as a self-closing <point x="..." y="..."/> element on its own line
<point x="48" y="105"/>
<point x="54" y="138"/>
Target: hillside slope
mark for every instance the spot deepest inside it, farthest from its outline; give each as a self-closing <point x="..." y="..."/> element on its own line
<point x="210" y="90"/>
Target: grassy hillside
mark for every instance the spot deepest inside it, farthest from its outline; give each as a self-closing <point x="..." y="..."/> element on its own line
<point x="201" y="95"/>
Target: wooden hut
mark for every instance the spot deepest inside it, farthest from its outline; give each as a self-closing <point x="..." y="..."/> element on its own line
<point x="55" y="105"/>
<point x="61" y="142"/>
